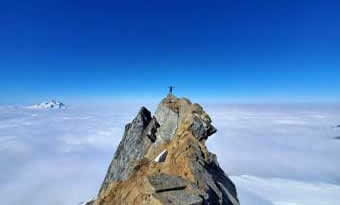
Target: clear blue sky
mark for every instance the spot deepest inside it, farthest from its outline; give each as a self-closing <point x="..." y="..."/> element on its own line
<point x="228" y="50"/>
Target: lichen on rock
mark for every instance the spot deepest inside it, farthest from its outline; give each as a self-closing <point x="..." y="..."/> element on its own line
<point x="184" y="171"/>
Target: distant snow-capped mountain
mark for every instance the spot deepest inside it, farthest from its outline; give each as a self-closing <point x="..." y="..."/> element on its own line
<point x="53" y="104"/>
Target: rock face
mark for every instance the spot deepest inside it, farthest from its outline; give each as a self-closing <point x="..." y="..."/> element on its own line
<point x="163" y="160"/>
<point x="132" y="148"/>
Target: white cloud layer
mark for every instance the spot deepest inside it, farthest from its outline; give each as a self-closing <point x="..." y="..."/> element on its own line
<point x="278" y="191"/>
<point x="276" y="155"/>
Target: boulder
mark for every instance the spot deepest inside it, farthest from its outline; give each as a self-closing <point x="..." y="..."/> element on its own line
<point x="164" y="182"/>
<point x="202" y="129"/>
<point x="167" y="119"/>
<point x="179" y="197"/>
<point x="151" y="129"/>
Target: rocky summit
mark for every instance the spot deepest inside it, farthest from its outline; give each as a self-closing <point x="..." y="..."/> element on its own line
<point x="163" y="160"/>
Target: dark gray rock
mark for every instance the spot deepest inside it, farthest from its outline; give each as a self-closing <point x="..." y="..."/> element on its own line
<point x="337" y="138"/>
<point x="338" y="126"/>
<point x="179" y="197"/>
<point x="151" y="129"/>
<point x="132" y="147"/>
<point x="219" y="188"/>
<point x="201" y="129"/>
<point x="168" y="121"/>
<point x="172" y="190"/>
<point x="164" y="182"/>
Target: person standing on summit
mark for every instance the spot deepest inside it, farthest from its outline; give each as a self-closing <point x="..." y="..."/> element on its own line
<point x="171" y="89"/>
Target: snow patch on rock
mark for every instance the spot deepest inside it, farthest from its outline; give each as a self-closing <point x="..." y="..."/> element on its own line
<point x="162" y="156"/>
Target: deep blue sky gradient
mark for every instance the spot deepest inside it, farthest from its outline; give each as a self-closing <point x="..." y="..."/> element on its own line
<point x="247" y="51"/>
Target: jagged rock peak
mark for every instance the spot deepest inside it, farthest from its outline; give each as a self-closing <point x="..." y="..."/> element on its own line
<point x="163" y="160"/>
<point x="179" y="114"/>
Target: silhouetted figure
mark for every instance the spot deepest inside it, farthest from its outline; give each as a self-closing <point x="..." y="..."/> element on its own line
<point x="171" y="88"/>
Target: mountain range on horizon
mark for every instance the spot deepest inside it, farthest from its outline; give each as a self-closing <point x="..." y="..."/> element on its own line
<point x="52" y="104"/>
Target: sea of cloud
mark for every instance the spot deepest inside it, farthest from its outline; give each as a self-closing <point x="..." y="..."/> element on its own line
<point x="275" y="154"/>
<point x="279" y="154"/>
